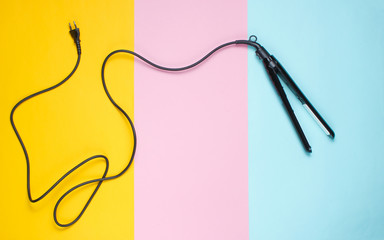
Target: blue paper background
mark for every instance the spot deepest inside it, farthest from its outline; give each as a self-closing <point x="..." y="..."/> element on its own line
<point x="334" y="50"/>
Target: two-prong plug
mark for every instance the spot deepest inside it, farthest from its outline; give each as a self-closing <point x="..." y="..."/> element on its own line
<point x="75" y="33"/>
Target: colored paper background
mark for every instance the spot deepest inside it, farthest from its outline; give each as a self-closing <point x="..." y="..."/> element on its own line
<point x="192" y="162"/>
<point x="334" y="52"/>
<point x="206" y="137"/>
<point x="69" y="124"/>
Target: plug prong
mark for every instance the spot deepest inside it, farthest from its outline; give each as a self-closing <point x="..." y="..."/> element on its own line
<point x="70" y="27"/>
<point x="74" y="24"/>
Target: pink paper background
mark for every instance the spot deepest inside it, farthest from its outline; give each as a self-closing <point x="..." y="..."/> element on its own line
<point x="191" y="168"/>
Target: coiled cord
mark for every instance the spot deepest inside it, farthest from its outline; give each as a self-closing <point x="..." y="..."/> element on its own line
<point x="75" y="34"/>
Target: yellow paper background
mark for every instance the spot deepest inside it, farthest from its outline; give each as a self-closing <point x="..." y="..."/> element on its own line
<point x="69" y="124"/>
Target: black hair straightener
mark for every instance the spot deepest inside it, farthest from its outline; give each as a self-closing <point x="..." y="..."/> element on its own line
<point x="272" y="66"/>
<point x="275" y="70"/>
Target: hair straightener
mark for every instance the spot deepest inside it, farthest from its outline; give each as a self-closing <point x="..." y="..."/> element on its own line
<point x="273" y="68"/>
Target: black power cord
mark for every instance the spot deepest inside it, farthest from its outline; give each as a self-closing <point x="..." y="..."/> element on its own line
<point x="75" y="33"/>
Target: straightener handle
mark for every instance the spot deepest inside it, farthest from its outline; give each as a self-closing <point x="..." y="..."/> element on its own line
<point x="279" y="88"/>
